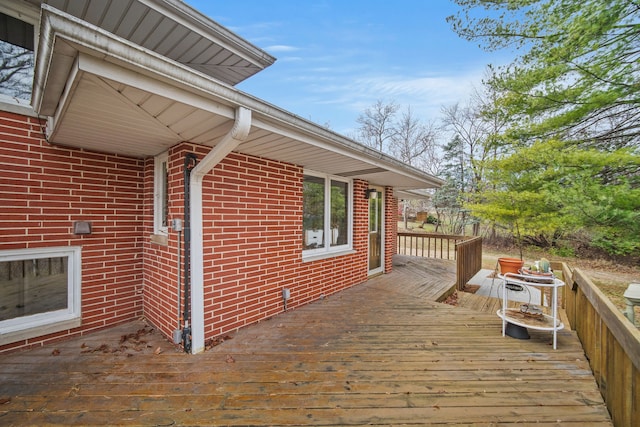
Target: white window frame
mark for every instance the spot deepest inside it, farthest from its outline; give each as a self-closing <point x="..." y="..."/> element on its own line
<point x="327" y="250"/>
<point x="40" y="324"/>
<point x="31" y="15"/>
<point x="160" y="193"/>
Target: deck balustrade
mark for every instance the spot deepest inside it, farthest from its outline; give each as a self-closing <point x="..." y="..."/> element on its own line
<point x="466" y="250"/>
<point x="610" y="341"/>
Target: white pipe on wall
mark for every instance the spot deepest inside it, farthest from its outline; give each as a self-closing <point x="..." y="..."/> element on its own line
<point x="229" y="142"/>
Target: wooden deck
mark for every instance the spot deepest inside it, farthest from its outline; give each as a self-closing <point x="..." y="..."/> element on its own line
<point x="380" y="353"/>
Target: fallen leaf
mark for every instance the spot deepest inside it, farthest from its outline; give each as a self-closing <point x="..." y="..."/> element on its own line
<point x="230" y="359"/>
<point x="5" y="400"/>
<point x="55" y="352"/>
<point x="103" y="348"/>
<point x="158" y="350"/>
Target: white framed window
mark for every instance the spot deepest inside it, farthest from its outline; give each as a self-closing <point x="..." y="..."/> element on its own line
<point x="161" y="194"/>
<point x="40" y="292"/>
<point x="17" y="46"/>
<point x="327" y="214"/>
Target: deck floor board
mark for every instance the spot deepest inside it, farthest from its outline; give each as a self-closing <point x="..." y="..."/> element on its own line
<point x="380" y="353"/>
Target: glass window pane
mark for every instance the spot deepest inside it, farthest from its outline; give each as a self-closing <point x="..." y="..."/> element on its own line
<point x="313" y="212"/>
<point x="16" y="71"/>
<point x="33" y="286"/>
<point x="339" y="213"/>
<point x="165" y="195"/>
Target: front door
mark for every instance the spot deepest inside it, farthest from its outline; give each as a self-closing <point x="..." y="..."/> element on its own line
<point x="376" y="231"/>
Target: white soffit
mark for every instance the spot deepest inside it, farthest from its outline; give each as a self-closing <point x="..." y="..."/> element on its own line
<point x="107" y="95"/>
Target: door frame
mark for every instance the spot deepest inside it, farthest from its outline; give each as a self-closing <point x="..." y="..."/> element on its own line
<point x="381" y="231"/>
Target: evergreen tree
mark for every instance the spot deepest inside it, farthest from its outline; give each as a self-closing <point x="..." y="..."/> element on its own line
<point x="570" y="160"/>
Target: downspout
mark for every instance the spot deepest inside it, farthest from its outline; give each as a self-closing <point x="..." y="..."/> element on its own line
<point x="229" y="142"/>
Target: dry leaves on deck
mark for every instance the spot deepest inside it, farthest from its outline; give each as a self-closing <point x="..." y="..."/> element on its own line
<point x="132" y="341"/>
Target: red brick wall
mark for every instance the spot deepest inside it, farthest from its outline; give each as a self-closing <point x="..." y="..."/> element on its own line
<point x="391" y="230"/>
<point x="161" y="260"/>
<point x="253" y="245"/>
<point x="252" y="213"/>
<point x="252" y="227"/>
<point x="44" y="189"/>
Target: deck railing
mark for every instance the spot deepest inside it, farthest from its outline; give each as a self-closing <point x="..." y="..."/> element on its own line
<point x="428" y="245"/>
<point x="466" y="250"/>
<point x="468" y="260"/>
<point x="610" y="341"/>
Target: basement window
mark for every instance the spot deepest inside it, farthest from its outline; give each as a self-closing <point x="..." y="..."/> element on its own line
<point x="327" y="208"/>
<point x="39" y="292"/>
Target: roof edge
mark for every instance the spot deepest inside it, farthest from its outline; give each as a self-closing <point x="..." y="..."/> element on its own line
<point x="234" y="42"/>
<point x="57" y="24"/>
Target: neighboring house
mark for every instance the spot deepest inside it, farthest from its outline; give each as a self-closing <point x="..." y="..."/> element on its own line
<point x="134" y="122"/>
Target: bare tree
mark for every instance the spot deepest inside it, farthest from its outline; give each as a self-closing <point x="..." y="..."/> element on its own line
<point x="404" y="137"/>
<point x="415" y="143"/>
<point x="376" y="125"/>
<point x="475" y="129"/>
<point x="16" y="70"/>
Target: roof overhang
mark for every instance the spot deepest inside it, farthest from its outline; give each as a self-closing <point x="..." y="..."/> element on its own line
<point x="419" y="194"/>
<point x="108" y="94"/>
<point x="174" y="30"/>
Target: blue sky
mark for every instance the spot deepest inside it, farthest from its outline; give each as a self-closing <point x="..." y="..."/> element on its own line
<point x="335" y="58"/>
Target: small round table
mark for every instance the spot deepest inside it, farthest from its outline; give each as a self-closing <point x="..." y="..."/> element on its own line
<point x="543" y="322"/>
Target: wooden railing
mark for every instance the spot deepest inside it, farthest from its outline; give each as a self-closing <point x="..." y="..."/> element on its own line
<point x="429" y="245"/>
<point x="610" y="341"/>
<point x="468" y="260"/>
<point x="466" y="250"/>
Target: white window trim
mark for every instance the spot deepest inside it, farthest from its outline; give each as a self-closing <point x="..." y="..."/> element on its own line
<point x="31" y="15"/>
<point x="35" y="325"/>
<point x="327" y="250"/>
<point x="158" y="193"/>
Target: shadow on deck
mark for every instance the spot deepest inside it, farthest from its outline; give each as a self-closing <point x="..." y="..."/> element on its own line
<point x="381" y="353"/>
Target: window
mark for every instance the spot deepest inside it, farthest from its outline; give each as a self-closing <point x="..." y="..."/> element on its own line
<point x="16" y="57"/>
<point x="326" y="214"/>
<point x="39" y="292"/>
<point x="161" y="194"/>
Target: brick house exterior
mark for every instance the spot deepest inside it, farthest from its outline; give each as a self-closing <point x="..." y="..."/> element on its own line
<point x="61" y="166"/>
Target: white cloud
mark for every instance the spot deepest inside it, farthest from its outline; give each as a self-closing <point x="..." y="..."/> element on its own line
<point x="418" y="92"/>
<point x="281" y="48"/>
